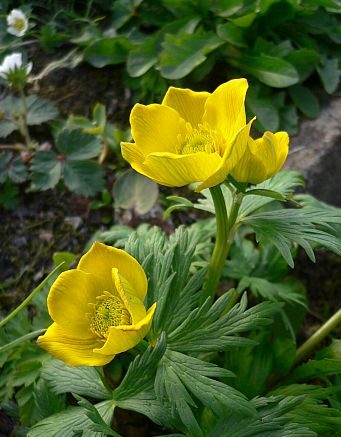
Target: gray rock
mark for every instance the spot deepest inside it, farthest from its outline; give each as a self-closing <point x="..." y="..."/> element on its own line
<point x="316" y="152"/>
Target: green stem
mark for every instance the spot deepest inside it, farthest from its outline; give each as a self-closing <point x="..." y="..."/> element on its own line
<point x="224" y="238"/>
<point x="220" y="250"/>
<point x="29" y="297"/>
<point x="23" y="119"/>
<point x="22" y="339"/>
<point x="317" y="337"/>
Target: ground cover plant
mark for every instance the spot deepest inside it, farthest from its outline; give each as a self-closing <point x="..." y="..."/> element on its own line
<point x="194" y="332"/>
<point x="281" y="45"/>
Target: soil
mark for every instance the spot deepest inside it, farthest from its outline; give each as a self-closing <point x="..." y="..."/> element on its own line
<point x="323" y="282"/>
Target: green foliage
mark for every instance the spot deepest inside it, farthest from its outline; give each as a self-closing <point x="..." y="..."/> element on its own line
<point x="167" y="262"/>
<point x="99" y="125"/>
<point x="8" y="195"/>
<point x="282" y="183"/>
<point x="135" y="192"/>
<point x="273" y="420"/>
<point x="12" y="168"/>
<point x="72" y="421"/>
<point x="71" y="163"/>
<point x="276" y="44"/>
<point x="136" y="391"/>
<point x="180" y="377"/>
<point x="38" y="111"/>
<point x="20" y="368"/>
<point x="71" y="157"/>
<point x="208" y="369"/>
<point x="93" y="414"/>
<point x="307" y="227"/>
<point x="85" y="381"/>
<point x="208" y="329"/>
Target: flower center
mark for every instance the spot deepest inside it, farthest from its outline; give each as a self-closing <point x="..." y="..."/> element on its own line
<point x="19" y="24"/>
<point x="109" y="311"/>
<point x="200" y="140"/>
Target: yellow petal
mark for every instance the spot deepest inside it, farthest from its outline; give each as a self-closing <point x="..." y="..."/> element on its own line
<point x="101" y="259"/>
<point x="190" y="105"/>
<point x="178" y="170"/>
<point x="250" y="167"/>
<point x="155" y="128"/>
<point x="127" y="294"/>
<point x="123" y="338"/>
<point x="225" y="109"/>
<point x="265" y="149"/>
<point x="132" y="154"/>
<point x="68" y="300"/>
<point x="73" y="351"/>
<point x="233" y="153"/>
<point x="281" y="141"/>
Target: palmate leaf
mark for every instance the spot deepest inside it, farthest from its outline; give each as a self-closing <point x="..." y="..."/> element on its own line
<point x="208" y="329"/>
<point x="167" y="262"/>
<point x="81" y="380"/>
<point x="316" y="369"/>
<point x="77" y="145"/>
<point x="72" y="421"/>
<point x="313" y="412"/>
<point x="98" y="424"/>
<point x="136" y="391"/>
<point x="40" y="110"/>
<point x="181" y="377"/>
<point x="170" y="390"/>
<point x="83" y="177"/>
<point x="46" y="170"/>
<point x="46" y="402"/>
<point x="246" y="259"/>
<point x="290" y="291"/>
<point x="12" y="168"/>
<point x="141" y="372"/>
<point x="271" y="422"/>
<point x="283" y="183"/>
<point x="307" y="227"/>
<point x="6" y="128"/>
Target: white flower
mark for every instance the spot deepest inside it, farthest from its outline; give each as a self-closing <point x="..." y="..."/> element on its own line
<point x="12" y="63"/>
<point x="17" y="23"/>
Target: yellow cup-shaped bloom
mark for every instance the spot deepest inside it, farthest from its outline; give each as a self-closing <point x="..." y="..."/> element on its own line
<point x="263" y="158"/>
<point x="98" y="308"/>
<point x="191" y="137"/>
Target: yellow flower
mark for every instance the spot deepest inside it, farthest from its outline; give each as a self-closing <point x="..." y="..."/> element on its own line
<point x="263" y="158"/>
<point x="98" y="308"/>
<point x="191" y="137"/>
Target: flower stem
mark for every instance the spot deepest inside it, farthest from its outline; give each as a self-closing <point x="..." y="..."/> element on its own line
<point x="317" y="337"/>
<point x="224" y="238"/>
<point x="23" y="118"/>
<point x="29" y="297"/>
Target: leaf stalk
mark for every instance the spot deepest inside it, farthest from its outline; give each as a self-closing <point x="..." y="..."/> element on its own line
<point x="317" y="337"/>
<point x="29" y="297"/>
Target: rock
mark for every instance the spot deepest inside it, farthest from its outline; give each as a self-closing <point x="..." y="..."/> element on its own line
<point x="74" y="221"/>
<point x="45" y="235"/>
<point x="316" y="152"/>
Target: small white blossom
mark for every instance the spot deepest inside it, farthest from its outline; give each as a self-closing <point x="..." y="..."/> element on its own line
<point x="12" y="63"/>
<point x="17" y="23"/>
